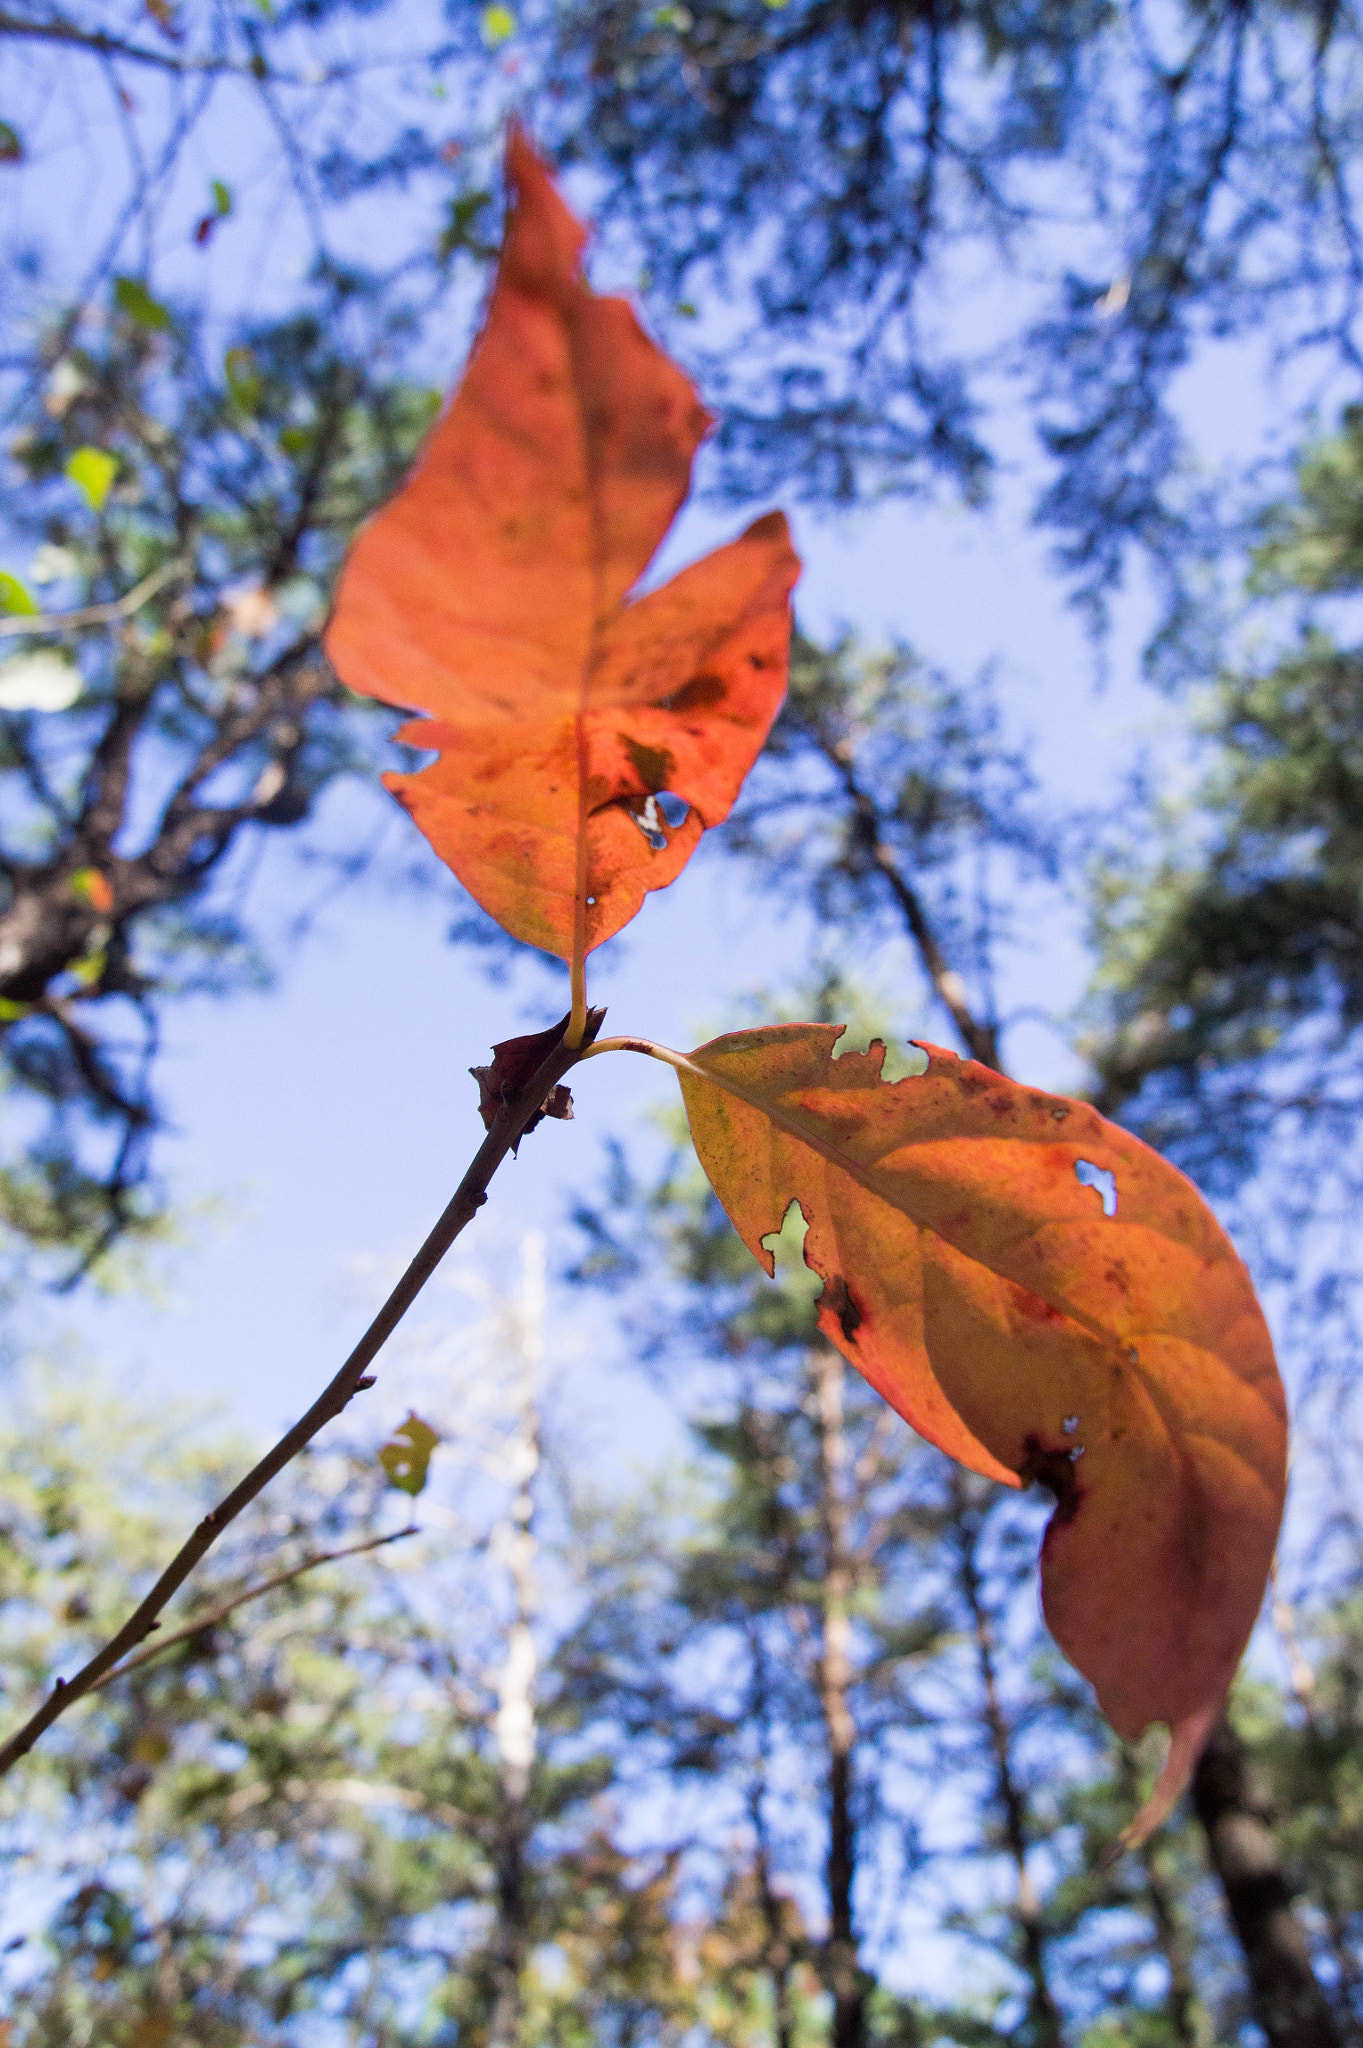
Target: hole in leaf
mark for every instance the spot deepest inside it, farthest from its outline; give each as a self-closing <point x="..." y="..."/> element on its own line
<point x="787" y="1245"/>
<point x="1101" y="1178"/>
<point x="657" y="814"/>
<point x="1076" y="1454"/>
<point x="899" y="1064"/>
<point x="1070" y="1424"/>
<point x="650" y="822"/>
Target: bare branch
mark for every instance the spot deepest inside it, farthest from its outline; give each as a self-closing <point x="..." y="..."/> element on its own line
<point x="507" y="1127"/>
<point x="221" y="1612"/>
<point x="97" y="614"/>
<point x="978" y="1034"/>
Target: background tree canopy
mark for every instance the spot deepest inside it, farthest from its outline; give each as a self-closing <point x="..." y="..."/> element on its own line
<point x="799" y="1767"/>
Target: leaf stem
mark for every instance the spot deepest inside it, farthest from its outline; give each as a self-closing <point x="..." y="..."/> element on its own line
<point x="463" y="1206"/>
<point x="576" y="1027"/>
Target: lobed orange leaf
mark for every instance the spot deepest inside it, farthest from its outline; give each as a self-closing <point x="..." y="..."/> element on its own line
<point x="493" y="594"/>
<point x="1047" y="1299"/>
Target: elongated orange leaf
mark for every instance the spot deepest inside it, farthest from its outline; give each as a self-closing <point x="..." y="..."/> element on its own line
<point x="493" y="592"/>
<point x="1047" y="1299"/>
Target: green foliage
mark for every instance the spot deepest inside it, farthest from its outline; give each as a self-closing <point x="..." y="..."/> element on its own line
<point x="1238" y="949"/>
<point x="315" y="1778"/>
<point x="92" y="471"/>
<point x="847" y="169"/>
<point x="132" y="297"/>
<point x="14" y="598"/>
<point x="237" y="491"/>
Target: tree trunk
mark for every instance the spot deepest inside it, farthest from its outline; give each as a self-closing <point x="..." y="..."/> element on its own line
<point x="1232" y="1804"/>
<point x="1043" y="2013"/>
<point x="842" y="1973"/>
<point x="777" y="1953"/>
<point x="514" y="1726"/>
<point x="1288" y="2002"/>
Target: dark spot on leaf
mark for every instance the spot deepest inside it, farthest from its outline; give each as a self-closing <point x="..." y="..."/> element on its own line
<point x="840" y="1301"/>
<point x="1034" y="1308"/>
<point x="1053" y="1469"/>
<point x="652" y="765"/>
<point x="698" y="695"/>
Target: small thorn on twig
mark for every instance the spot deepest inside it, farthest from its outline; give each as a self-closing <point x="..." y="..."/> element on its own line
<point x="59" y="1685"/>
<point x="369" y="1379"/>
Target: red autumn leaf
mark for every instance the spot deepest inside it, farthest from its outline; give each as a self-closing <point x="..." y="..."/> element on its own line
<point x="1047" y="1299"/>
<point x="494" y="594"/>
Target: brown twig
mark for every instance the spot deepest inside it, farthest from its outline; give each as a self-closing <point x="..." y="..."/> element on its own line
<point x="220" y="1613"/>
<point x="468" y="1198"/>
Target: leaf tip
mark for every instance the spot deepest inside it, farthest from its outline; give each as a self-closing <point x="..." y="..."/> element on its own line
<point x="1187" y="1740"/>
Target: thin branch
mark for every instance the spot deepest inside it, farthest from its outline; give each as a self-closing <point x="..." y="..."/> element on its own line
<point x="977" y="1033"/>
<point x="220" y="1613"/>
<point x="507" y="1127"/>
<point x="96" y="614"/>
<point x="98" y="42"/>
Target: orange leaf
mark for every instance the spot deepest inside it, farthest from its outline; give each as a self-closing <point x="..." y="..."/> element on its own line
<point x="493" y="593"/>
<point x="1046" y="1299"/>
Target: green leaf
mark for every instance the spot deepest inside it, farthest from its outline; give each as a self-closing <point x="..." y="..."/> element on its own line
<point x="92" y="471"/>
<point x="222" y="198"/>
<point x="14" y="599"/>
<point x="11" y="148"/>
<point x="88" y="970"/>
<point x="460" y="223"/>
<point x="243" y="378"/>
<point x="132" y="297"/>
<point x="406" y="1457"/>
<point x="499" y="25"/>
